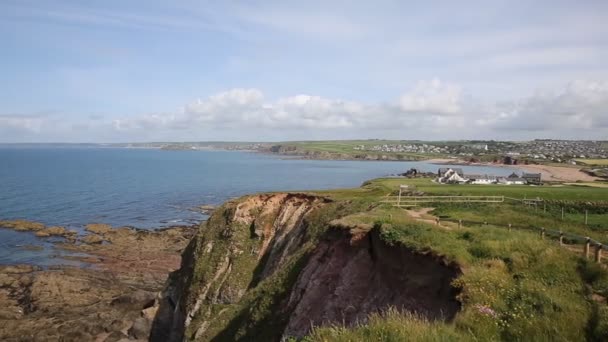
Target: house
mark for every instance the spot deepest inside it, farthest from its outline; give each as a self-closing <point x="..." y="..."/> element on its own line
<point x="443" y="170"/>
<point x="450" y="176"/>
<point x="511" y="180"/>
<point x="482" y="179"/>
<point x="532" y="178"/>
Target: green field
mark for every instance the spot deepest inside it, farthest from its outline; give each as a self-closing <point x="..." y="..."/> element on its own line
<point x="547" y="192"/>
<point x="346" y="147"/>
<point x="599" y="162"/>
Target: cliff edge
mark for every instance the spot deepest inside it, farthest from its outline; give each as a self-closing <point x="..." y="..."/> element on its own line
<point x="272" y="266"/>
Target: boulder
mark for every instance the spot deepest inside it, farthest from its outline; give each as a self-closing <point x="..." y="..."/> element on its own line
<point x="55" y="231"/>
<point x="98" y="228"/>
<point x="22" y="225"/>
<point x="92" y="239"/>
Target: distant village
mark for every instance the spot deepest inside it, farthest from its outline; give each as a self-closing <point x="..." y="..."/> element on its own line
<point x="457" y="176"/>
<point x="558" y="151"/>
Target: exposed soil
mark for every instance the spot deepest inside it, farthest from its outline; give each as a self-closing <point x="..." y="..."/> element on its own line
<point x="348" y="277"/>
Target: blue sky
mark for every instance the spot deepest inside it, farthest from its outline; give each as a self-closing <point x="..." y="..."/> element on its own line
<point x="105" y="71"/>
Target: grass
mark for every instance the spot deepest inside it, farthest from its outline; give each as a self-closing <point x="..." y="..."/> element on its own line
<point x="346" y="148"/>
<point x="514" y="286"/>
<point x="548" y="192"/>
<point x="599" y="162"/>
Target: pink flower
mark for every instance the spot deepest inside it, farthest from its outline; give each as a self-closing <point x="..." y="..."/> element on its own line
<point x="486" y="310"/>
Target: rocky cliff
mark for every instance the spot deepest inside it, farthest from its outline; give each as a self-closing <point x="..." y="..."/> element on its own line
<point x="272" y="266"/>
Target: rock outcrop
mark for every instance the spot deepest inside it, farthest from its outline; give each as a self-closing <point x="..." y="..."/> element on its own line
<point x="113" y="299"/>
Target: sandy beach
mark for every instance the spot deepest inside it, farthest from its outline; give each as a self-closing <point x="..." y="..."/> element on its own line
<point x="558" y="173"/>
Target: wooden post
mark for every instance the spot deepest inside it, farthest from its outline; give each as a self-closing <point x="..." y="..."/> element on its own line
<point x="587" y="246"/>
<point x="399" y="198"/>
<point x="459" y="223"/>
<point x="509" y="227"/>
<point x="542" y="233"/>
<point x="562" y="213"/>
<point x="586" y="214"/>
<point x="598" y="253"/>
<point x="561" y="238"/>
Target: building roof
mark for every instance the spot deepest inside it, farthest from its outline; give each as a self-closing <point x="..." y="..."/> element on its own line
<point x="516" y="179"/>
<point x="443" y="170"/>
<point x="531" y="175"/>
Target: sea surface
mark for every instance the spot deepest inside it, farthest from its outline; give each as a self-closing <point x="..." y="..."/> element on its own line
<point x="150" y="188"/>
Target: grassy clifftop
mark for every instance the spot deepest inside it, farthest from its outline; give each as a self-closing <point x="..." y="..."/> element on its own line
<point x="340" y="265"/>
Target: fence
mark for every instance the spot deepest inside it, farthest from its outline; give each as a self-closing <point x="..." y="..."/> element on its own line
<point x="564" y="238"/>
<point x="562" y="211"/>
<point x="412" y="201"/>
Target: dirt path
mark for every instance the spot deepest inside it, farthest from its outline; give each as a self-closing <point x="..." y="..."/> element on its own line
<point x="422" y="215"/>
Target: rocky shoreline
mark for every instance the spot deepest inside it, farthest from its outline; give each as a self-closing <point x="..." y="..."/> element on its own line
<point x="112" y="298"/>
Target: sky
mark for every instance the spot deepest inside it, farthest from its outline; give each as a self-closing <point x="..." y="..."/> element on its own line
<point x="135" y="71"/>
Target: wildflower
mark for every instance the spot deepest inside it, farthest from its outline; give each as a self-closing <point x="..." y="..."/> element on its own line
<point x="486" y="310"/>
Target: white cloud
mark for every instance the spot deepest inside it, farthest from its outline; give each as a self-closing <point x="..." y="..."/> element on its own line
<point x="431" y="109"/>
<point x="28" y="123"/>
<point x="579" y="106"/>
<point x="432" y="97"/>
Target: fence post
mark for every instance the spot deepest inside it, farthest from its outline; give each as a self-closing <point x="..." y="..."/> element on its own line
<point x="542" y="233"/>
<point x="562" y="213"/>
<point x="509" y="227"/>
<point x="598" y="253"/>
<point x="459" y="223"/>
<point x="587" y="246"/>
<point x="399" y="198"/>
<point x="586" y="212"/>
<point x="561" y="238"/>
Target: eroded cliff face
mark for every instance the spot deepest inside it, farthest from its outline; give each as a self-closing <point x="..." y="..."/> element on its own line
<point x="350" y="276"/>
<point x="271" y="266"/>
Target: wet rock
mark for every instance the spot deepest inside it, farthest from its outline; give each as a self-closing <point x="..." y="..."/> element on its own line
<point x="19" y="269"/>
<point x="98" y="228"/>
<point x="32" y="248"/>
<point x="21" y="225"/>
<point x="55" y="231"/>
<point x="92" y="239"/>
<point x="139" y="298"/>
<point x="99" y="303"/>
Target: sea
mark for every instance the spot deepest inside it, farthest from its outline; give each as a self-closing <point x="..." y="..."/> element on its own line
<point x="75" y="185"/>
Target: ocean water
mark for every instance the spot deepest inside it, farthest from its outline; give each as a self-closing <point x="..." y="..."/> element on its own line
<point x="149" y="188"/>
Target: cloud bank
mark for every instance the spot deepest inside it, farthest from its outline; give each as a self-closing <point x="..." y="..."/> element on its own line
<point x="431" y="109"/>
<point x="433" y="105"/>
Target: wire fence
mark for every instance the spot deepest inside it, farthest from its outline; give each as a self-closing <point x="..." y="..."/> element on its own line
<point x="564" y="238"/>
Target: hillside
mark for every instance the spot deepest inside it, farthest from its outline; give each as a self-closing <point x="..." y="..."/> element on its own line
<point x="340" y="265"/>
